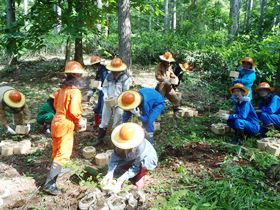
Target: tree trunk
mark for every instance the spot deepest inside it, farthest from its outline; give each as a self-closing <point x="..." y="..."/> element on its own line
<point x="79" y="50"/>
<point x="234" y="19"/>
<point x="166" y="15"/>
<point x="263" y="4"/>
<point x="11" y="29"/>
<point x="124" y="29"/>
<point x="174" y="16"/>
<point x="25" y="7"/>
<point x="278" y="75"/>
<point x="247" y="22"/>
<point x="78" y="56"/>
<point x="276" y="14"/>
<point x="150" y="17"/>
<point x="58" y="11"/>
<point x="67" y="50"/>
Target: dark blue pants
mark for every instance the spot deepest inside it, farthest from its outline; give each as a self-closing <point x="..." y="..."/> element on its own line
<point x="99" y="106"/>
<point x="267" y="119"/>
<point x="247" y="126"/>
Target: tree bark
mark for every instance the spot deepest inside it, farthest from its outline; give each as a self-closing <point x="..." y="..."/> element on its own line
<point x="79" y="50"/>
<point x="234" y="19"/>
<point x="124" y="29"/>
<point x="150" y="17"/>
<point x="166" y="15"/>
<point x="78" y="56"/>
<point x="25" y="8"/>
<point x="278" y="75"/>
<point x="58" y="11"/>
<point x="263" y="4"/>
<point x="11" y="29"/>
<point x="247" y="22"/>
<point x="276" y="14"/>
<point x="174" y="16"/>
<point x="67" y="50"/>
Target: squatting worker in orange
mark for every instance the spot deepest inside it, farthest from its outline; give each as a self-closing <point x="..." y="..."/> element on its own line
<point x="68" y="106"/>
<point x="13" y="101"/>
<point x="166" y="79"/>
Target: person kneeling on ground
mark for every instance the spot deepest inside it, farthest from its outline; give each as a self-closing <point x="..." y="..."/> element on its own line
<point x="164" y="75"/>
<point x="68" y="106"/>
<point x="269" y="107"/>
<point x="13" y="101"/>
<point x="115" y="83"/>
<point x="147" y="104"/>
<point x="46" y="114"/>
<point x="244" y="120"/>
<point x="132" y="158"/>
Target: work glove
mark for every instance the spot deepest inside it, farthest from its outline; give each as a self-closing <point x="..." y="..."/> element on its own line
<point x="118" y="186"/>
<point x="10" y="130"/>
<point x="225" y="116"/>
<point x="107" y="178"/>
<point x="28" y="127"/>
<point x="136" y="112"/>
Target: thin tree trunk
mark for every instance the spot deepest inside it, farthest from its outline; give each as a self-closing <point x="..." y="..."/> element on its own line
<point x="174" y="16"/>
<point x="166" y="15"/>
<point x="247" y="22"/>
<point x="276" y="19"/>
<point x="67" y="50"/>
<point x="25" y="8"/>
<point x="79" y="50"/>
<point x="278" y="74"/>
<point x="263" y="4"/>
<point x="58" y="12"/>
<point x="150" y="17"/>
<point x="124" y="29"/>
<point x="234" y="19"/>
<point x="11" y="29"/>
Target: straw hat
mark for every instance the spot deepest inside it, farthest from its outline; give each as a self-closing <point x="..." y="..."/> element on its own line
<point x="116" y="65"/>
<point x="184" y="66"/>
<point x="129" y="100"/>
<point x="247" y="59"/>
<point x="14" y="99"/>
<point x="239" y="86"/>
<point x="168" y="57"/>
<point x="264" y="85"/>
<point x="95" y="59"/>
<point x="128" y="135"/>
<point x="74" y="67"/>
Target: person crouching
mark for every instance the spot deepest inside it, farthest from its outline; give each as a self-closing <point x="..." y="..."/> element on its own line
<point x="132" y="158"/>
<point x="244" y="120"/>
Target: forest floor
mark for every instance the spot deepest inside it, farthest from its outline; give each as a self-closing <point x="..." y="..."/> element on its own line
<point x="197" y="169"/>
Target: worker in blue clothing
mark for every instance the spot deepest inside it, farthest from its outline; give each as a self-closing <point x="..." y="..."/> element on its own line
<point x="101" y="73"/>
<point x="269" y="107"/>
<point x="244" y="120"/>
<point x="147" y="104"/>
<point x="247" y="74"/>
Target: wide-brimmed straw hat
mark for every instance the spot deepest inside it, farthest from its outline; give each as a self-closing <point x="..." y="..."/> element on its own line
<point x="14" y="98"/>
<point x="116" y="65"/>
<point x="128" y="135"/>
<point x="168" y="57"/>
<point x="249" y="60"/>
<point x="264" y="85"/>
<point x="95" y="59"/>
<point x="239" y="86"/>
<point x="129" y="100"/>
<point x="74" y="67"/>
<point x="184" y="66"/>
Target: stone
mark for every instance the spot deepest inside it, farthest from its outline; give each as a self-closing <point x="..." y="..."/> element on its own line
<point x="7" y="150"/>
<point x="273" y="149"/>
<point x="219" y="128"/>
<point x="262" y="144"/>
<point x="101" y="159"/>
<point x="21" y="129"/>
<point x="89" y="152"/>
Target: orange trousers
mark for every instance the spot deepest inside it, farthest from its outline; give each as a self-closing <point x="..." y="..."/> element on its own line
<point x="63" y="139"/>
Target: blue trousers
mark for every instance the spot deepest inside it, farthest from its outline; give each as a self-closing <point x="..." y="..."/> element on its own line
<point x="267" y="119"/>
<point x="99" y="106"/>
<point x="247" y="126"/>
<point x="149" y="125"/>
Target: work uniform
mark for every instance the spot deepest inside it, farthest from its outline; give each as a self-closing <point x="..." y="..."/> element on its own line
<point x="46" y="113"/>
<point x="67" y="104"/>
<point x="244" y="117"/>
<point x="247" y="77"/>
<point x="20" y="118"/>
<point x="112" y="88"/>
<point x="163" y="75"/>
<point x="151" y="107"/>
<point x="144" y="156"/>
<point x="270" y="111"/>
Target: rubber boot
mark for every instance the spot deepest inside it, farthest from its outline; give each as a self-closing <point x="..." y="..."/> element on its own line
<point x="176" y="110"/>
<point x="239" y="137"/>
<point x="150" y="137"/>
<point x="97" y="120"/>
<point x="100" y="137"/>
<point x="50" y="184"/>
